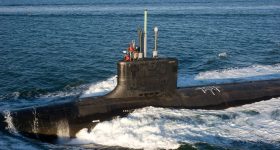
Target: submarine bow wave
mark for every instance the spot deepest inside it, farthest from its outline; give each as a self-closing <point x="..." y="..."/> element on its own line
<point x="155" y="128"/>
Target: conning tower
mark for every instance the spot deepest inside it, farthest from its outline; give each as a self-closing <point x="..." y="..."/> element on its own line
<point x="146" y="77"/>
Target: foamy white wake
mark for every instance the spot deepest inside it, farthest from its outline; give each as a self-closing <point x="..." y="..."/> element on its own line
<point x="154" y="128"/>
<point x="101" y="88"/>
<point x="251" y="73"/>
<point x="256" y="70"/>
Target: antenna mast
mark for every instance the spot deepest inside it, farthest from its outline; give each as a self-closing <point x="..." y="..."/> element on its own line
<point x="145" y="32"/>
<point x="155" y="53"/>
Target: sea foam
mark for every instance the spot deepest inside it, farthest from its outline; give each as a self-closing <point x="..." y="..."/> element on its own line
<point x="101" y="88"/>
<point x="155" y="128"/>
<point x="252" y="71"/>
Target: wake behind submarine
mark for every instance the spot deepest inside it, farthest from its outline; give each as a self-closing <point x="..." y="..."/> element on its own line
<point x="141" y="82"/>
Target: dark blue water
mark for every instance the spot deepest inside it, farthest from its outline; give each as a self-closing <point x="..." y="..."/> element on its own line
<point x="58" y="48"/>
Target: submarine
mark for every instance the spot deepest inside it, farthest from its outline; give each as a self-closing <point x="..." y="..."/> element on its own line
<point x="140" y="83"/>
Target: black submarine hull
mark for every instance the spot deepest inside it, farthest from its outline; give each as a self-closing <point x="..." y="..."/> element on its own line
<point x="64" y="120"/>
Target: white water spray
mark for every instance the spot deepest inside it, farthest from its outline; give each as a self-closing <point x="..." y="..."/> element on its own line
<point x="253" y="71"/>
<point x="35" y="122"/>
<point x="9" y="120"/>
<point x="155" y="128"/>
<point x="63" y="131"/>
<point x="101" y="88"/>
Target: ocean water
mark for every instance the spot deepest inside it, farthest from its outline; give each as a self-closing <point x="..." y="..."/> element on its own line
<point x="51" y="50"/>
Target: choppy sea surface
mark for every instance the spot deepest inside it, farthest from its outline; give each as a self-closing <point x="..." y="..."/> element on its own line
<point x="50" y="50"/>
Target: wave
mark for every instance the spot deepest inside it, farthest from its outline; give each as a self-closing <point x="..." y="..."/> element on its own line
<point x="256" y="72"/>
<point x="251" y="73"/>
<point x="155" y="128"/>
<point x="20" y="99"/>
<point x="101" y="88"/>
